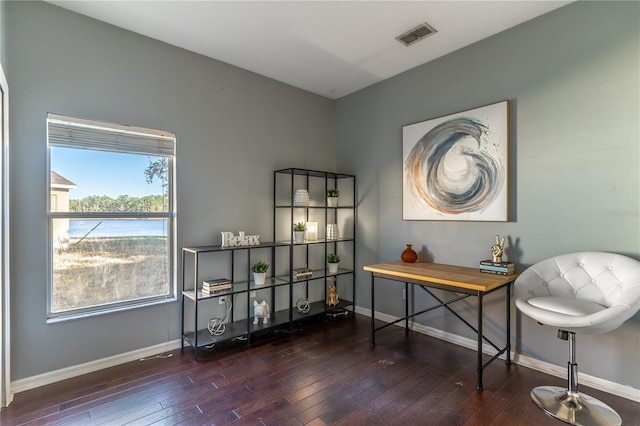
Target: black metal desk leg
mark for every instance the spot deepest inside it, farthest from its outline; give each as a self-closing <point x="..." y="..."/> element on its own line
<point x="509" y="324"/>
<point x="406" y="309"/>
<point x="373" y="310"/>
<point x="479" y="361"/>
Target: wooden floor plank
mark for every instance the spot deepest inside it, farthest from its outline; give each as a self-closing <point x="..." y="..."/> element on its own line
<point x="322" y="373"/>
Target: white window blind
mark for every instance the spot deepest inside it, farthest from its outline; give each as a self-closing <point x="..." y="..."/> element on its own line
<point x="76" y="132"/>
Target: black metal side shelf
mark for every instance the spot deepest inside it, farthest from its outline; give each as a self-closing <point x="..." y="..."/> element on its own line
<point x="282" y="289"/>
<point x="312" y="253"/>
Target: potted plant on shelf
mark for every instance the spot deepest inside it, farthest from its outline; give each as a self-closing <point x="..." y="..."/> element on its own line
<point x="332" y="197"/>
<point x="259" y="270"/>
<point x="332" y="263"/>
<point x="298" y="232"/>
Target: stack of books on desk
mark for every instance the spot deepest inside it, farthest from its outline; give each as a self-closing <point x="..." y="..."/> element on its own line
<point x="498" y="268"/>
<point x="302" y="273"/>
<point x="218" y="285"/>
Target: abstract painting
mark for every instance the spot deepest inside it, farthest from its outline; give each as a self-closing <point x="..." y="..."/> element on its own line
<point x="455" y="167"/>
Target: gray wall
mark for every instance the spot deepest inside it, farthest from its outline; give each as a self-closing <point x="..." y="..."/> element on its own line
<point x="233" y="127"/>
<point x="572" y="77"/>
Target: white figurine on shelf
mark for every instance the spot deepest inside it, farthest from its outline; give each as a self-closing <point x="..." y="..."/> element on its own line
<point x="261" y="310"/>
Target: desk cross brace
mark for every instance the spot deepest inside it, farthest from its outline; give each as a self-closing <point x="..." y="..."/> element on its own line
<point x="467" y="323"/>
<point x="425" y="311"/>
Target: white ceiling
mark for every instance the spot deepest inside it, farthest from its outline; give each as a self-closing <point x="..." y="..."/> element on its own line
<point x="331" y="48"/>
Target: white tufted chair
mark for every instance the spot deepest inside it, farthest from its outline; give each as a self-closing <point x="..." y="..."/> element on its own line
<point x="586" y="292"/>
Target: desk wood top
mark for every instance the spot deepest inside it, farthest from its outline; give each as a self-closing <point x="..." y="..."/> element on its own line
<point x="450" y="275"/>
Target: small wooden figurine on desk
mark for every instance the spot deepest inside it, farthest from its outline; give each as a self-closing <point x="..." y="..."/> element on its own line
<point x="332" y="296"/>
<point x="497" y="250"/>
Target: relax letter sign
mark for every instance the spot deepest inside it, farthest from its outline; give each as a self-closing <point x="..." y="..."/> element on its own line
<point x="230" y="240"/>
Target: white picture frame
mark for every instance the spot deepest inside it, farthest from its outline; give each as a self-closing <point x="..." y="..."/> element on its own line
<point x="455" y="167"/>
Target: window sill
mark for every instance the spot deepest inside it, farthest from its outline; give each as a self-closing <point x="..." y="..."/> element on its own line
<point x="59" y="318"/>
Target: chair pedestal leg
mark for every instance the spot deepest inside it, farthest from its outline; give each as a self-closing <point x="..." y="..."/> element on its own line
<point x="571" y="406"/>
<point x="575" y="409"/>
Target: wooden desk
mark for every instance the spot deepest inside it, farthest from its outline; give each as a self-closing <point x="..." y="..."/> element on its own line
<point x="464" y="281"/>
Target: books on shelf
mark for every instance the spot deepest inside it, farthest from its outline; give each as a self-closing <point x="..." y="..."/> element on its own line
<point x="209" y="292"/>
<point x="217" y="285"/>
<point x="498" y="268"/>
<point x="216" y="282"/>
<point x="302" y="273"/>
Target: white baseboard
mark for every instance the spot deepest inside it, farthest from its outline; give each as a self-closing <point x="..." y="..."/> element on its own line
<point x="22" y="385"/>
<point x="608" y="386"/>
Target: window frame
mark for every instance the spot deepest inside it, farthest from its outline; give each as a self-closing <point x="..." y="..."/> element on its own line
<point x="170" y="215"/>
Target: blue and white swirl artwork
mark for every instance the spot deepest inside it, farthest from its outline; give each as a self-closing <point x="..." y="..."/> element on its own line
<point x="455" y="167"/>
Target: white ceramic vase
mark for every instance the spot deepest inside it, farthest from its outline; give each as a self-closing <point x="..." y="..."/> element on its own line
<point x="332" y="268"/>
<point x="332" y="201"/>
<point x="298" y="237"/>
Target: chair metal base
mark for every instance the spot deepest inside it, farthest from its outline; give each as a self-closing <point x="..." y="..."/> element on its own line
<point x="573" y="407"/>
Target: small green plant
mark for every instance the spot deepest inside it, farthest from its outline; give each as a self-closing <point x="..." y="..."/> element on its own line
<point x="260" y="267"/>
<point x="300" y="227"/>
<point x="332" y="193"/>
<point x="333" y="258"/>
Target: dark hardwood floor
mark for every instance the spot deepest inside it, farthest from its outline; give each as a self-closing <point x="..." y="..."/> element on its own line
<point x="325" y="373"/>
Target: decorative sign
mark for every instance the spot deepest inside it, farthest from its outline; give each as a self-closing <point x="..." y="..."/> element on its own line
<point x="230" y="240"/>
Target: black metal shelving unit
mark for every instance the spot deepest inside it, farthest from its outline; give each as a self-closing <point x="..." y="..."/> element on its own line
<point x="285" y="183"/>
<point x="285" y="255"/>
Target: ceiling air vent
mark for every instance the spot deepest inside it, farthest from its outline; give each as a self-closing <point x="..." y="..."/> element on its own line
<point x="416" y="34"/>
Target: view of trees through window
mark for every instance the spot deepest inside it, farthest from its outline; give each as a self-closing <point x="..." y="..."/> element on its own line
<point x="124" y="203"/>
<point x="109" y="229"/>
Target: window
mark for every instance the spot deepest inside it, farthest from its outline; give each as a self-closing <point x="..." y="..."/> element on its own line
<point x="111" y="216"/>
